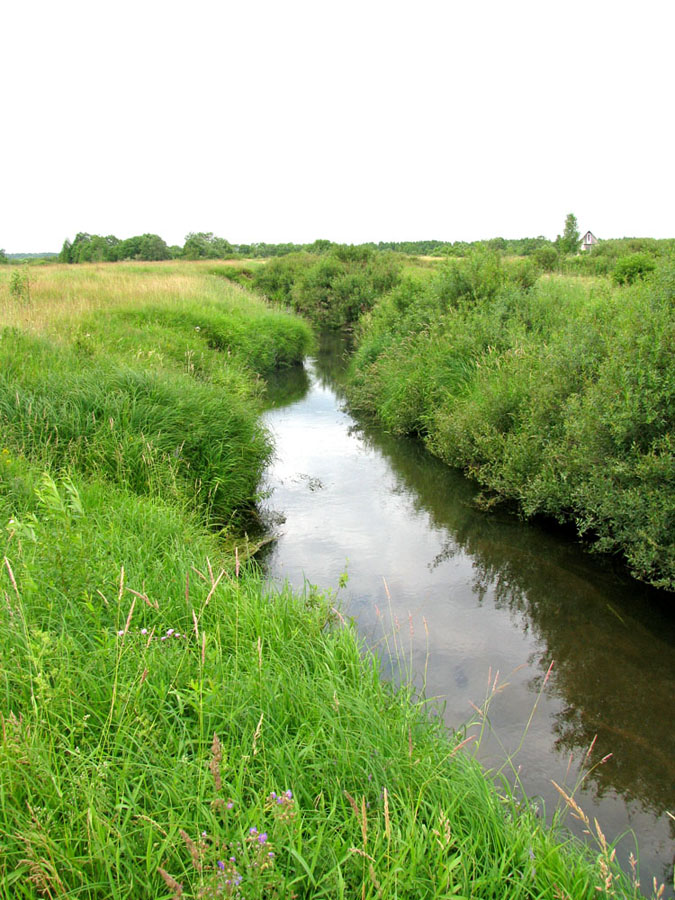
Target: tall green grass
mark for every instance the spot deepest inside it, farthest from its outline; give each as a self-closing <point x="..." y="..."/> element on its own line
<point x="560" y="397"/>
<point x="156" y="697"/>
<point x="183" y="334"/>
<point x="162" y="396"/>
<point x="162" y="434"/>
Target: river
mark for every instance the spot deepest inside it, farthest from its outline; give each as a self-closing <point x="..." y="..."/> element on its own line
<point x="459" y="598"/>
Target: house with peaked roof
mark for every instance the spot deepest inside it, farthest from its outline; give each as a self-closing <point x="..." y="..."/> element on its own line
<point x="588" y="240"/>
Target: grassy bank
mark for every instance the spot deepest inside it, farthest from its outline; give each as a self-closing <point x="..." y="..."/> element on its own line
<point x="169" y="727"/>
<point x="559" y="394"/>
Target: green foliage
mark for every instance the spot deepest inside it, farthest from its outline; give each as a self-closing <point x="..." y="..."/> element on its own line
<point x="558" y="397"/>
<point x="546" y="257"/>
<point x="146" y="247"/>
<point x="242" y="275"/>
<point x="334" y="289"/>
<point x="65" y="256"/>
<point x="3" y="258"/>
<point x="631" y="268"/>
<point x="92" y="248"/>
<point x="95" y="248"/>
<point x="602" y="257"/>
<point x="205" y="245"/>
<point x="275" y="280"/>
<point x="19" y="285"/>
<point x="570" y="241"/>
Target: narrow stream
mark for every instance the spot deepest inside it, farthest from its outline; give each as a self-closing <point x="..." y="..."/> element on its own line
<point x="464" y="595"/>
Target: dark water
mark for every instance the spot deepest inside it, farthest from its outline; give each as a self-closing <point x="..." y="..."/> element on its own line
<point x="461" y="595"/>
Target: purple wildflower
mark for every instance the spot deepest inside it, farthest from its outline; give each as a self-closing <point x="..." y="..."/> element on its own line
<point x="230" y="805"/>
<point x="253" y="830"/>
<point x="120" y="633"/>
<point x="144" y="630"/>
<point x="221" y="865"/>
<point x="262" y="838"/>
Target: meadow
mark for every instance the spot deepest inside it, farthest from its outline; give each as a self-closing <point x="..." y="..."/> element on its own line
<point x="170" y="726"/>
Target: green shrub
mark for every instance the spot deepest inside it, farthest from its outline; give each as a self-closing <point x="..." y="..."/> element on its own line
<point x="561" y="397"/>
<point x="332" y="289"/>
<point x="631" y="268"/>
<point x="546" y="258"/>
<point x="276" y="278"/>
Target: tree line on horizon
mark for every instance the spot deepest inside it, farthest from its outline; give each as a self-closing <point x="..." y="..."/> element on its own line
<point x="205" y="245"/>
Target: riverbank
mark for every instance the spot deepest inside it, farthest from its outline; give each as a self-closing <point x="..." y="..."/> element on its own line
<point x="557" y="395"/>
<point x="170" y="727"/>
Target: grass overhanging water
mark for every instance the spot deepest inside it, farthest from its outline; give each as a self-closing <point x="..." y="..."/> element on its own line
<point x="169" y="726"/>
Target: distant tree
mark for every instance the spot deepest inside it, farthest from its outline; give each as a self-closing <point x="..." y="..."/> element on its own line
<point x="110" y="248"/>
<point x="3" y="258"/>
<point x="93" y="248"/>
<point x="77" y="248"/>
<point x="145" y="247"/>
<point x="570" y="241"/>
<point x="153" y="247"/>
<point x="527" y="246"/>
<point x="205" y="245"/>
<point x="321" y="245"/>
<point x="65" y="254"/>
<point x="496" y="243"/>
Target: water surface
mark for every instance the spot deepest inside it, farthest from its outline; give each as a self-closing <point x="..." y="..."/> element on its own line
<point x="465" y="595"/>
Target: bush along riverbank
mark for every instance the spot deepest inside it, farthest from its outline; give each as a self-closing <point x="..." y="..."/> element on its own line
<point x="334" y="288"/>
<point x="559" y="395"/>
<point x="171" y="727"/>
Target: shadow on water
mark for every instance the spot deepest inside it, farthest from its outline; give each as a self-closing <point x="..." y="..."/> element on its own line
<point x="287" y="387"/>
<point x="611" y="638"/>
<point x="518" y="586"/>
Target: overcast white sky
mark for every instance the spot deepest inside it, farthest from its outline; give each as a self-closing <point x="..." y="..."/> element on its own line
<point x="353" y="121"/>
